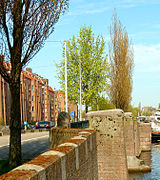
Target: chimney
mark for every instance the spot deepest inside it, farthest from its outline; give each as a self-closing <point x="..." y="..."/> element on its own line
<point x="29" y="70"/>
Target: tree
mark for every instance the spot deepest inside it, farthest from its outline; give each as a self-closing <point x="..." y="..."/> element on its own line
<point x="87" y="50"/>
<point x="24" y="26"/>
<point x="121" y="65"/>
<point x="134" y="111"/>
<point x="103" y="104"/>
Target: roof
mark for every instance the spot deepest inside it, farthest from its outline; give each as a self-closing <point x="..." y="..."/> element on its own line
<point x="28" y="75"/>
<point x="50" y="89"/>
<point x="149" y="107"/>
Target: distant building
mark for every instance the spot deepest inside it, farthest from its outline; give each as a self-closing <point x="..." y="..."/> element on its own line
<point x="148" y="109"/>
<point x="38" y="100"/>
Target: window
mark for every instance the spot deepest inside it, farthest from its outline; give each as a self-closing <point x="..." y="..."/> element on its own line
<point x="32" y="98"/>
<point x="32" y="108"/>
<point x="32" y="87"/>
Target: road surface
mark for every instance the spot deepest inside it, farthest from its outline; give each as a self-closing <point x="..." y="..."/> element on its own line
<point x="33" y="144"/>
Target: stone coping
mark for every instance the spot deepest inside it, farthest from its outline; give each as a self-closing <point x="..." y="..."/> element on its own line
<point x="38" y="167"/>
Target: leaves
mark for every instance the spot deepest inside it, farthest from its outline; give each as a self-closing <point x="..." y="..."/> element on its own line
<point x="90" y="52"/>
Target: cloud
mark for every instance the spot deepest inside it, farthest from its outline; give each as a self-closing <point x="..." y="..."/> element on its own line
<point x="147" y="58"/>
<point x="140" y="2"/>
<point x="85" y="7"/>
<point x="88" y="8"/>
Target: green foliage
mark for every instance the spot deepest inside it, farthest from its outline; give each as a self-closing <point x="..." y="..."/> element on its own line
<point x="33" y="122"/>
<point x="103" y="104"/>
<point x="87" y="50"/>
<point x="148" y="113"/>
<point x="134" y="110"/>
<point x="1" y="122"/>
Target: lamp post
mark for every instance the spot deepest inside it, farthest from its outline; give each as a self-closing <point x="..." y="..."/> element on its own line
<point x="66" y="93"/>
<point x="80" y="89"/>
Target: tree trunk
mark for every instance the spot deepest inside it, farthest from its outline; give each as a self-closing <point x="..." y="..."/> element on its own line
<point x="1" y="116"/>
<point x="77" y="112"/>
<point x="15" y="125"/>
<point x="86" y="107"/>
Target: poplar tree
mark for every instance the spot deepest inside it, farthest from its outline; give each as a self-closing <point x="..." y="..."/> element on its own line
<point x="89" y="51"/>
<point x="24" y="27"/>
<point x="121" y="65"/>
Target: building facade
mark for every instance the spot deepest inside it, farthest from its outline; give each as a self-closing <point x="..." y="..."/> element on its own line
<point x="38" y="100"/>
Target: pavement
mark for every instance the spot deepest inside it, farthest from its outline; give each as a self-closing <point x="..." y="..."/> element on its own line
<point x="33" y="144"/>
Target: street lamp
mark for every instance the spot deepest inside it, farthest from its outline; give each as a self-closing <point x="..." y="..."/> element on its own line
<point x="80" y="87"/>
<point x="66" y="93"/>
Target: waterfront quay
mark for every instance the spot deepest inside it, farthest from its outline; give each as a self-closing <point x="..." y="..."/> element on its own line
<point x="110" y="149"/>
<point x="151" y="158"/>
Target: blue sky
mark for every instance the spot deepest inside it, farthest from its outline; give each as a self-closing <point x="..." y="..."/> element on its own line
<point x="142" y="21"/>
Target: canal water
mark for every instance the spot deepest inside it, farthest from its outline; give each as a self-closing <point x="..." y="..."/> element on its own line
<point x="153" y="159"/>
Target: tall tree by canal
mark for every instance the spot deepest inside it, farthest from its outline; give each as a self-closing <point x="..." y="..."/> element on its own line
<point x="24" y="27"/>
<point x="121" y="65"/>
<point x="85" y="53"/>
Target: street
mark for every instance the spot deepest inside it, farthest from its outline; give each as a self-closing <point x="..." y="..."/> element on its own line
<point x="33" y="144"/>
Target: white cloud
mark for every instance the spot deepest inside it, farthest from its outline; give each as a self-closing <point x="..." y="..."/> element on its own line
<point x="147" y="58"/>
<point x="140" y="2"/>
<point x="87" y="9"/>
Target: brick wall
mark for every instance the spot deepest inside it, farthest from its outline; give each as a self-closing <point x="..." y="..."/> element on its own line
<point x="76" y="159"/>
<point x="111" y="152"/>
<point x="58" y="136"/>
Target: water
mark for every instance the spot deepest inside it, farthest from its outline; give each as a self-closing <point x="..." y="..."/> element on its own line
<point x="153" y="159"/>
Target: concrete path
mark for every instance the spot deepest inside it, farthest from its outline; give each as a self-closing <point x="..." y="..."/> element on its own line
<point x="33" y="144"/>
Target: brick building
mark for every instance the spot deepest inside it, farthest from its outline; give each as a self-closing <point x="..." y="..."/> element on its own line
<point x="38" y="100"/>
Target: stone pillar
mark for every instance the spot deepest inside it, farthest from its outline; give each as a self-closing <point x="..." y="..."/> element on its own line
<point x="145" y="136"/>
<point x="137" y="139"/>
<point x="134" y="164"/>
<point x="111" y="152"/>
<point x="129" y="134"/>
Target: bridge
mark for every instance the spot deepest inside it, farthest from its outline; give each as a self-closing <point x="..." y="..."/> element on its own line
<point x="107" y="150"/>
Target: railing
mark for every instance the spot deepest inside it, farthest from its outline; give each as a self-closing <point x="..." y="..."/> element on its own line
<point x="80" y="124"/>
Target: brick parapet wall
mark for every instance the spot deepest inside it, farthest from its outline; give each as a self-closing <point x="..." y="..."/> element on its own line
<point x="58" y="136"/>
<point x="75" y="159"/>
<point x="111" y="151"/>
<point x="145" y="136"/>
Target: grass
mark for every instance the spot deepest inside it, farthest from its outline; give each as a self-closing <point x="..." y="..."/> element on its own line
<point x="4" y="166"/>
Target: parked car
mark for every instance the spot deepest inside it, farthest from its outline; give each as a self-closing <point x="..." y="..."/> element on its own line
<point x="44" y="124"/>
<point x="29" y="126"/>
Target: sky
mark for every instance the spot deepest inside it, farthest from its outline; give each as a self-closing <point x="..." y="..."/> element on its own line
<point x="141" y="18"/>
